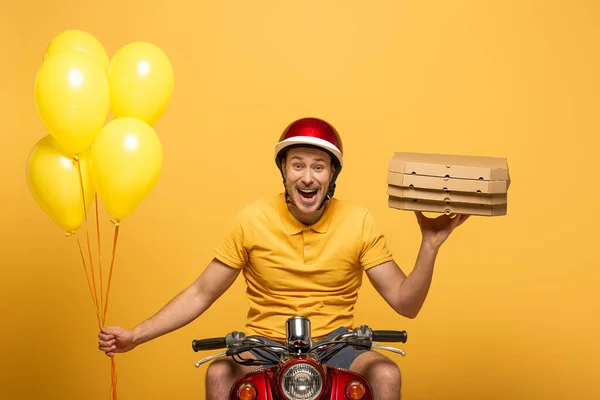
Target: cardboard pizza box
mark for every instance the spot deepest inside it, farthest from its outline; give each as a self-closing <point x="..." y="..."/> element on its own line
<point x="446" y="196"/>
<point x="450" y="184"/>
<point x="450" y="166"/>
<point x="447" y="208"/>
<point x="447" y="184"/>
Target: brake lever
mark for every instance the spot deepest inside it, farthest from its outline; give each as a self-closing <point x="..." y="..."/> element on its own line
<point x="206" y="359"/>
<point x="392" y="349"/>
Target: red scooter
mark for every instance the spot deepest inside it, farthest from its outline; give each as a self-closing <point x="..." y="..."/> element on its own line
<point x="300" y="371"/>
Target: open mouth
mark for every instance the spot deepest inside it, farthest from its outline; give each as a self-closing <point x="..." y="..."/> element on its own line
<point x="307" y="194"/>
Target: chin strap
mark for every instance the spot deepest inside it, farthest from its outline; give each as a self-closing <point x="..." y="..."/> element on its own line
<point x="288" y="199"/>
<point x="329" y="194"/>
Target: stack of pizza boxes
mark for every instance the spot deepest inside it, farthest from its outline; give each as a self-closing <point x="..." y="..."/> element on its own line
<point x="449" y="184"/>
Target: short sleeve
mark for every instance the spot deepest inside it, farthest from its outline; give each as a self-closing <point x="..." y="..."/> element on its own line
<point x="232" y="250"/>
<point x="374" y="245"/>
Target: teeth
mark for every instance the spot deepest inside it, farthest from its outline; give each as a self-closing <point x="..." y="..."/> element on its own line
<point x="307" y="191"/>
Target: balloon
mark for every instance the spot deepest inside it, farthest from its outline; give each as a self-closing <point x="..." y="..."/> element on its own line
<point x="126" y="160"/>
<point x="78" y="40"/>
<point x="54" y="181"/>
<point x="141" y="82"/>
<point x="72" y="99"/>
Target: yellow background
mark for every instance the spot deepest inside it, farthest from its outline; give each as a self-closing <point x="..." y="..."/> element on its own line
<point x="514" y="308"/>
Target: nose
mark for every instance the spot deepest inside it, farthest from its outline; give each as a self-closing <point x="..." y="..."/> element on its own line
<point x="307" y="177"/>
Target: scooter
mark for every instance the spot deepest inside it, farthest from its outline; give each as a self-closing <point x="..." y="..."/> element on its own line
<point x="300" y="370"/>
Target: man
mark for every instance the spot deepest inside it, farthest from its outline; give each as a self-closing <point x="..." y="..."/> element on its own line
<point x="302" y="253"/>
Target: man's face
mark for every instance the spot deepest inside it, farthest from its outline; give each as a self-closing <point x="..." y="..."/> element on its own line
<point x="307" y="172"/>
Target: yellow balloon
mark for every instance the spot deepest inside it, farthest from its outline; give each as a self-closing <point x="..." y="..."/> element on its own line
<point x="72" y="99"/>
<point x="141" y="82"/>
<point x="55" y="183"/>
<point x="82" y="41"/>
<point x="126" y="160"/>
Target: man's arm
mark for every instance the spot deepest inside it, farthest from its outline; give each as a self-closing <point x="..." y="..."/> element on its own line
<point x="189" y="304"/>
<point x="405" y="294"/>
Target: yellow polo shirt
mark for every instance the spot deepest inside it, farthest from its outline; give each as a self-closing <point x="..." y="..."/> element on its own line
<point x="293" y="269"/>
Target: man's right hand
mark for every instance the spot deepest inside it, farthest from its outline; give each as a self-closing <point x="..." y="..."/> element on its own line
<point x="115" y="339"/>
<point x="181" y="310"/>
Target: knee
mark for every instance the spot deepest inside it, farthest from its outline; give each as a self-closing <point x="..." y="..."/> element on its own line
<point x="388" y="371"/>
<point x="219" y="371"/>
<point x="385" y="373"/>
<point x="381" y="372"/>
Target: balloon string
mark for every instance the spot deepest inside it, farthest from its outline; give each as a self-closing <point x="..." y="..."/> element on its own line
<point x="113" y="375"/>
<point x="99" y="252"/>
<point x="87" y="232"/>
<point x="95" y="294"/>
<point x="112" y="262"/>
<point x="91" y="264"/>
<point x="87" y="276"/>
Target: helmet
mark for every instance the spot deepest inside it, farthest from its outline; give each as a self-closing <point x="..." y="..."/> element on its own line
<point x="316" y="133"/>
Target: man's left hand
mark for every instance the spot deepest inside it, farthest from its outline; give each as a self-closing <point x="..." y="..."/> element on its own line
<point x="436" y="230"/>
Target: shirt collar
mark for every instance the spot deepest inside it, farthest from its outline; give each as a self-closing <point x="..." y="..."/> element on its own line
<point x="294" y="227"/>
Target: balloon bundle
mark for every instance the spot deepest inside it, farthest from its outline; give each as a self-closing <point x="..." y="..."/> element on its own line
<point x="83" y="157"/>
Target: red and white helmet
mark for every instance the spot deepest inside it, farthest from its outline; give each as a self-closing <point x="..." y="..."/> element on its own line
<point x="312" y="132"/>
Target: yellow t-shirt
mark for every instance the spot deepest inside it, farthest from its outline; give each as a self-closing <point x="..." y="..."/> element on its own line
<point x="293" y="269"/>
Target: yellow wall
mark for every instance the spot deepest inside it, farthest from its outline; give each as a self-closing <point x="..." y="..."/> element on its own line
<point x="513" y="311"/>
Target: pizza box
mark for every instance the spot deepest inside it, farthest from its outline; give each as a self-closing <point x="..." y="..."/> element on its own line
<point x="446" y="196"/>
<point x="450" y="166"/>
<point x="447" y="184"/>
<point x="447" y="208"/>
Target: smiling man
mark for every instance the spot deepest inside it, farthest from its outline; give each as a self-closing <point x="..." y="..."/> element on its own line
<point x="302" y="252"/>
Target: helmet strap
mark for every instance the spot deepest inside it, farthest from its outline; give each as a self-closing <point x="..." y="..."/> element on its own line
<point x="288" y="198"/>
<point x="330" y="192"/>
<point x="331" y="189"/>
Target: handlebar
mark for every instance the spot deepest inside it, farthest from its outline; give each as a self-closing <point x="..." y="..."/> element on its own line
<point x="237" y="343"/>
<point x="209" y="344"/>
<point x="389" y="336"/>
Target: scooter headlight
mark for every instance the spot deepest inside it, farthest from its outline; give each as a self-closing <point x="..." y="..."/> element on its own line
<point x="301" y="381"/>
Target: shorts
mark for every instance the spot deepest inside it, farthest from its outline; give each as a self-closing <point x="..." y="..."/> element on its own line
<point x="342" y="359"/>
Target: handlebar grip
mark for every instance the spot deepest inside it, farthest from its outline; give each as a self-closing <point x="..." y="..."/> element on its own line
<point x="209" y="344"/>
<point x="390" y="336"/>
